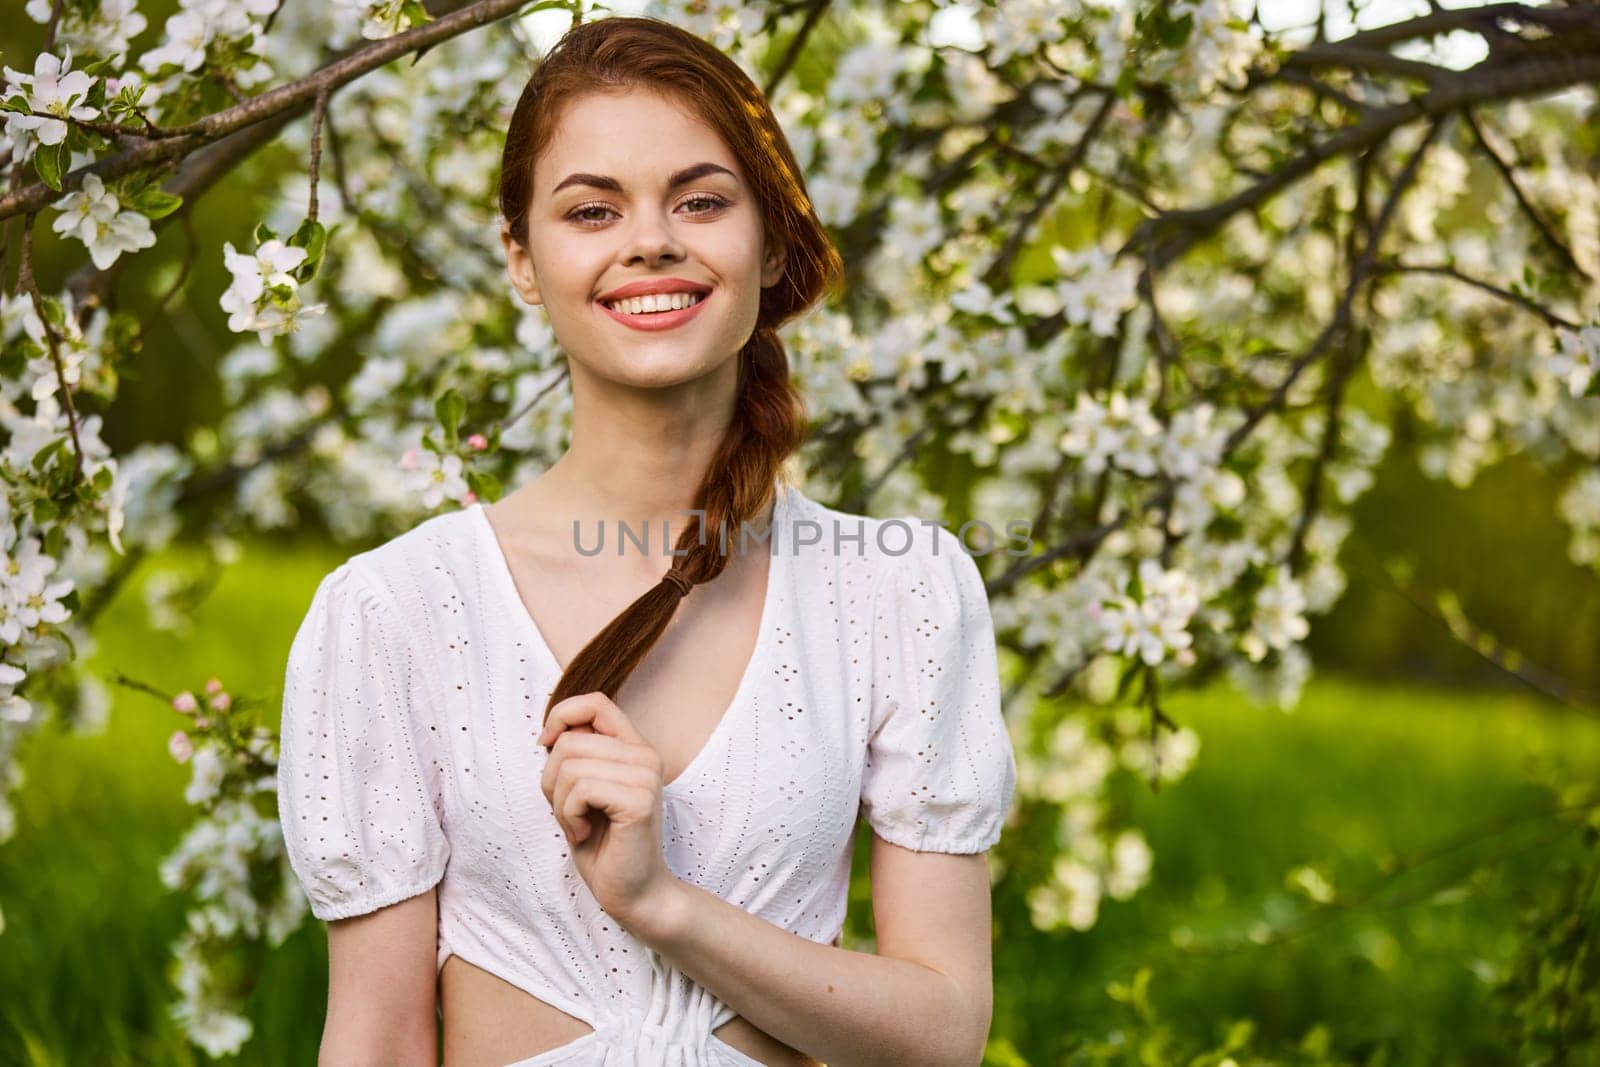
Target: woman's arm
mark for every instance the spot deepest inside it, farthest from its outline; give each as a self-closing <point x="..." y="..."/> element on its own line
<point x="383" y="987"/>
<point x="926" y="998"/>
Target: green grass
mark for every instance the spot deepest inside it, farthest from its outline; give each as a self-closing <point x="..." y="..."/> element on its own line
<point x="1359" y="770"/>
<point x="83" y="959"/>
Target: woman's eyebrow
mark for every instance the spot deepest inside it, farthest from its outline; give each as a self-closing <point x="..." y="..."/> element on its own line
<point x="682" y="177"/>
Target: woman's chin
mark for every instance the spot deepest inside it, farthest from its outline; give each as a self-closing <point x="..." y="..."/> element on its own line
<point x="663" y="369"/>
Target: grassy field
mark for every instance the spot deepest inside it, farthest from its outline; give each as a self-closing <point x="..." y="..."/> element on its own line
<point x="1357" y="773"/>
<point x="1361" y="770"/>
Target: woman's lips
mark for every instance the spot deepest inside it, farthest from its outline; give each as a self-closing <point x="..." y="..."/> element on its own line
<point x="658" y="320"/>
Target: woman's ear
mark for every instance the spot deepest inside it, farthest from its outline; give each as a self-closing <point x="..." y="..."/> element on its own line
<point x="773" y="266"/>
<point x="519" y="268"/>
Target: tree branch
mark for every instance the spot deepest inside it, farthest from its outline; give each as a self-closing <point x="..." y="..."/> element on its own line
<point x="1550" y="317"/>
<point x="1175" y="232"/>
<point x="292" y="99"/>
<point x="814" y="12"/>
<point x="1540" y="226"/>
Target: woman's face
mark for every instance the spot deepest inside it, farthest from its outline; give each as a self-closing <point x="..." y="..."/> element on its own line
<point x="606" y="213"/>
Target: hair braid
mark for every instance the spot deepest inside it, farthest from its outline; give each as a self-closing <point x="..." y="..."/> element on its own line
<point x="769" y="421"/>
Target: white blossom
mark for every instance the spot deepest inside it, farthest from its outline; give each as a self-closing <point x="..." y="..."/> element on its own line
<point x="92" y="215"/>
<point x="187" y="35"/>
<point x="1123" y="431"/>
<point x="250" y="300"/>
<point x="111" y="24"/>
<point x="434" y="476"/>
<point x="1155" y="624"/>
<point x="1577" y="359"/>
<point x="55" y="94"/>
<point x="269" y="266"/>
<point x="206" y="779"/>
<point x="13" y="708"/>
<point x="1279" y="619"/>
<point x="1094" y="291"/>
<point x="379" y="18"/>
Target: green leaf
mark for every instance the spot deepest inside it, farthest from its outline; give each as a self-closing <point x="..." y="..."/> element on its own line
<point x="484" y="485"/>
<point x="1316" y="1042"/>
<point x="1174" y="32"/>
<point x="1134" y="668"/>
<point x="55" y="542"/>
<point x="50" y="161"/>
<point x="449" y="408"/>
<point x="155" y="202"/>
<point x="19" y="104"/>
<point x="1141" y="991"/>
<point x="263" y="234"/>
<point x="54" y="313"/>
<point x="1239" y="1035"/>
<point x="14" y="358"/>
<point x="313" y="237"/>
<point x="415" y="13"/>
<point x="130" y="95"/>
<point x="41" y="458"/>
<point x="1126" y="80"/>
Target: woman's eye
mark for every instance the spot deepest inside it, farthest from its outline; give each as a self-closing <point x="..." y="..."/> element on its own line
<point x="712" y="203"/>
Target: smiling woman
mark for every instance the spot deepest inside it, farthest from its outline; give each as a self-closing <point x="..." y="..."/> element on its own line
<point x="656" y="869"/>
<point x="655" y="305"/>
<point x="583" y="237"/>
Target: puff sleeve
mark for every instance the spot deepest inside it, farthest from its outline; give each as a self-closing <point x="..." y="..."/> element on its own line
<point x="356" y="798"/>
<point x="940" y="771"/>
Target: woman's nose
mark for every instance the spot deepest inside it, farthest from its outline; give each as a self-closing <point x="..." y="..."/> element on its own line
<point x="651" y="239"/>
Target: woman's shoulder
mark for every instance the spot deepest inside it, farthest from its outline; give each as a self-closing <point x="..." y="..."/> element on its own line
<point x="879" y="544"/>
<point x="409" y="570"/>
<point x="864" y="567"/>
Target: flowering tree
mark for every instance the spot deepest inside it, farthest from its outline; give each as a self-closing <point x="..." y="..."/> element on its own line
<point x="1112" y="268"/>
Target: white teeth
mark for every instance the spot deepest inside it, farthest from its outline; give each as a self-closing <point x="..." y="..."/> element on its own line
<point x="640" y="305"/>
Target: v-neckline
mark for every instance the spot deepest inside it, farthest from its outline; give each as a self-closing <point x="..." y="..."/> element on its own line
<point x="777" y="572"/>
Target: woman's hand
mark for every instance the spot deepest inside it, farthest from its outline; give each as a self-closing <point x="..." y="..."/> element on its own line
<point x="603" y="782"/>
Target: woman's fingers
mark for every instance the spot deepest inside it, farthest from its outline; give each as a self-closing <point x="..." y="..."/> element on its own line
<point x="597" y="760"/>
<point x="596" y="746"/>
<point x="575" y="772"/>
<point x="595" y="710"/>
<point x="606" y="795"/>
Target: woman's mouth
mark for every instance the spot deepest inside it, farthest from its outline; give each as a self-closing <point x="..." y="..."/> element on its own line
<point x="657" y="311"/>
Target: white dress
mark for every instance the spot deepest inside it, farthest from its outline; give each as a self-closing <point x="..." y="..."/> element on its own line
<point x="415" y="689"/>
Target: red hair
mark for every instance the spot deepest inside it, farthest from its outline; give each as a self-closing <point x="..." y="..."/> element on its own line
<point x="770" y="420"/>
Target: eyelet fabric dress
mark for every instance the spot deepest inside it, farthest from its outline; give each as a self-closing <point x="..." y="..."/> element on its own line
<point x="415" y="689"/>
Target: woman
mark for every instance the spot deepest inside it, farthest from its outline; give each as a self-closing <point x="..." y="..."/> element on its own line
<point x="617" y="828"/>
